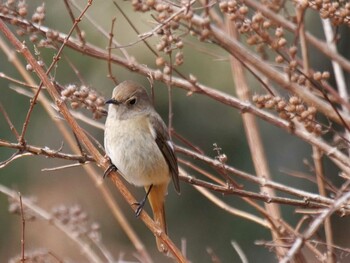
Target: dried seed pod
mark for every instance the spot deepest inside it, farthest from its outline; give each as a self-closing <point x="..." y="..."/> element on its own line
<point x="179" y="44"/>
<point x="158" y="75"/>
<point x="279" y="59"/>
<point x="160" y="61"/>
<point x="74" y="105"/>
<point x="304" y="115"/>
<point x="270" y="104"/>
<point x="92" y="96"/>
<point x="312" y="110"/>
<point x="258" y="17"/>
<point x="293" y="51"/>
<point x="300" y="108"/>
<point x="281" y="105"/>
<point x="294" y="100"/>
<point x="279" y="32"/>
<point x="317" y="130"/>
<point x="166" y="70"/>
<point x="243" y="10"/>
<point x="223" y="6"/>
<point x="326" y="75"/>
<point x="255" y="98"/>
<point x="100" y="101"/>
<point x="281" y="42"/>
<point x="290" y="108"/>
<point x="317" y="76"/>
<point x="284" y="115"/>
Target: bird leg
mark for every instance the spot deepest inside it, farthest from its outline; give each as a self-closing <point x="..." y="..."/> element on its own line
<point x="141" y="204"/>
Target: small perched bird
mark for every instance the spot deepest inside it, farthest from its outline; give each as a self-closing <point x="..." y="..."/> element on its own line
<point x="137" y="142"/>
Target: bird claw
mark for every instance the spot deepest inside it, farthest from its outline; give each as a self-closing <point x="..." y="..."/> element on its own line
<point x="140" y="206"/>
<point x="110" y="168"/>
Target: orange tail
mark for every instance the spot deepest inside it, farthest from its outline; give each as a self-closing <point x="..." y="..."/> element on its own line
<point x="156" y="199"/>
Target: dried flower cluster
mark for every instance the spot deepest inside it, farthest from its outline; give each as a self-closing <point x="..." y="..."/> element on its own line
<point x="169" y="40"/>
<point x="36" y="256"/>
<point x="291" y="110"/>
<point x="84" y="97"/>
<point x="337" y="11"/>
<point x="260" y="31"/>
<point x="77" y="220"/>
<point x="19" y="10"/>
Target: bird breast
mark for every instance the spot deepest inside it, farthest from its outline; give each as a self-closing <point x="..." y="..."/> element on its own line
<point x="132" y="148"/>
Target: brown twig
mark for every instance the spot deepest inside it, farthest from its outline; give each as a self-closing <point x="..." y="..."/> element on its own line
<point x="9" y="122"/>
<point x="23" y="229"/>
<point x="13" y="157"/>
<point x="4" y="76"/>
<point x="70" y="12"/>
<point x="111" y="35"/>
<point x="46" y="152"/>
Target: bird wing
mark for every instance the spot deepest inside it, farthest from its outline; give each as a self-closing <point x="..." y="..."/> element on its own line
<point x="167" y="149"/>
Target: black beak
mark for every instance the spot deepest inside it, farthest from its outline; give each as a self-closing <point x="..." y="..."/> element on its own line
<point x="112" y="101"/>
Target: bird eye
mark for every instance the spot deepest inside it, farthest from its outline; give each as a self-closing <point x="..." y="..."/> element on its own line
<point x="132" y="101"/>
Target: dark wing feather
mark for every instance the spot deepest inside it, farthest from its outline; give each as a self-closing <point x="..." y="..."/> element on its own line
<point x="163" y="142"/>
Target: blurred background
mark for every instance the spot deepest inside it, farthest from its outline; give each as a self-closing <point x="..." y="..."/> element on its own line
<point x="199" y="119"/>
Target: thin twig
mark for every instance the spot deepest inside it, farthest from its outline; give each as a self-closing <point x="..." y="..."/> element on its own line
<point x="62" y="167"/>
<point x="13" y="157"/>
<point x="4" y="76"/>
<point x="23" y="229"/>
<point x="232" y="210"/>
<point x="111" y="35"/>
<point x="30" y="149"/>
<point x="70" y="12"/>
<point x="239" y="251"/>
<point x="9" y="122"/>
<point x="170" y="98"/>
